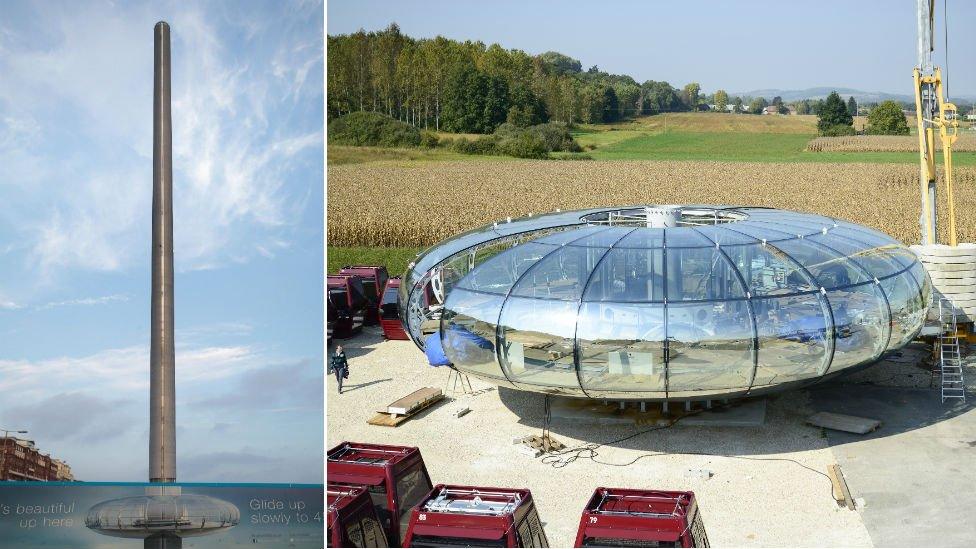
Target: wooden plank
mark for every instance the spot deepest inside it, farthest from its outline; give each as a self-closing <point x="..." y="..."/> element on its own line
<point x="836" y="473"/>
<point x="837" y="490"/>
<point x="386" y="419"/>
<point x="547" y="444"/>
<point x="412" y="402"/>
<point x="842" y="422"/>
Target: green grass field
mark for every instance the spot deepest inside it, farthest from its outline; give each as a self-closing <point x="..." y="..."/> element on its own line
<point x="739" y="147"/>
<point x="673" y="136"/>
<point x="724" y="137"/>
<point x="395" y="259"/>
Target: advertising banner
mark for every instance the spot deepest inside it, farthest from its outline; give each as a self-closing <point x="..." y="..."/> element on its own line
<point x="122" y="515"/>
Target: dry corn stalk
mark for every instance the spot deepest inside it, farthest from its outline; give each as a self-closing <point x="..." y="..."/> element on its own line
<point x="389" y="204"/>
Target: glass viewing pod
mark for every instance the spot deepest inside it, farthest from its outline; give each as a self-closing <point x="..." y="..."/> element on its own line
<point x="166" y="514"/>
<point x="665" y="302"/>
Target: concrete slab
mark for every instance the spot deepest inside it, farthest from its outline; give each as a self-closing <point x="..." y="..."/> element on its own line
<point x="745" y="413"/>
<point x="843" y="422"/>
<point x="915" y="473"/>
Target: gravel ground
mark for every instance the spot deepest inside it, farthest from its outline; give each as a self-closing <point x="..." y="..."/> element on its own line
<point x="748" y="502"/>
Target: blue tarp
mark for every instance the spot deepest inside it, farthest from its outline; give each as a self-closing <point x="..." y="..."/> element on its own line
<point x="469" y="336"/>
<point x="434" y="350"/>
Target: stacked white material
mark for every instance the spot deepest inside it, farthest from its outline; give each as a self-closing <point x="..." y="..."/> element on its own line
<point x="953" y="274"/>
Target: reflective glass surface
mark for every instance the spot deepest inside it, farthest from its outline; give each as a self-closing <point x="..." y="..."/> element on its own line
<point x="794" y="338"/>
<point x="861" y="324"/>
<point x="537" y="342"/>
<point x="628" y="274"/>
<point x="907" y="311"/>
<point x="498" y="275"/>
<point x="468" y="332"/>
<point x="621" y="350"/>
<point x="710" y="347"/>
<point x="761" y="298"/>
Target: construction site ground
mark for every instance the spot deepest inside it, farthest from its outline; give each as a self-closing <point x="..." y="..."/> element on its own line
<point x="912" y="478"/>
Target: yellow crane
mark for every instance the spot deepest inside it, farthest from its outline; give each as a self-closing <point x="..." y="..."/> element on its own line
<point x="933" y="111"/>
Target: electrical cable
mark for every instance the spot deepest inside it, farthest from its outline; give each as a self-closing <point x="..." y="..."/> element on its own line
<point x="562" y="458"/>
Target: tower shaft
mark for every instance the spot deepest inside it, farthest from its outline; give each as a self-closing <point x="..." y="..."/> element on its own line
<point x="162" y="356"/>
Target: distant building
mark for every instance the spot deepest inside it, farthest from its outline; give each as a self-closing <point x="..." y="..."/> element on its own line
<point x="729" y="108"/>
<point x="21" y="460"/>
<point x="771" y="109"/>
<point x="63" y="470"/>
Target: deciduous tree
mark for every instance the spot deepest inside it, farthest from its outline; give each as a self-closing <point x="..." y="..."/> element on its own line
<point x="721" y="100"/>
<point x="887" y="119"/>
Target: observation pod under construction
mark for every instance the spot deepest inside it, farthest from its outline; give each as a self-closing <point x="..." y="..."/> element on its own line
<point x="665" y="302"/>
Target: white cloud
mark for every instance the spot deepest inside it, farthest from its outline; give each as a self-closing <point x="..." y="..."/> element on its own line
<point x="75" y="134"/>
<point x="92" y="410"/>
<point x="85" y="301"/>
<point x="123" y="370"/>
<point x="96" y="227"/>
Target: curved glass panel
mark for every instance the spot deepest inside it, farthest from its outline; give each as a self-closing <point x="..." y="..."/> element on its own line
<point x="686" y="237"/>
<point x="628" y="274"/>
<point x="537" y="342"/>
<point x="603" y="239"/>
<point x="500" y="273"/>
<point x="830" y="268"/>
<point x="873" y="260"/>
<point x="865" y="234"/>
<point x="794" y="338"/>
<point x="621" y="350"/>
<point x="642" y="238"/>
<point x="700" y="274"/>
<point x="565" y="236"/>
<point x="907" y="312"/>
<point x="468" y="332"/>
<point x="559" y="275"/>
<point x="924" y="283"/>
<point x="710" y="347"/>
<point x="861" y="325"/>
<point x="768" y="271"/>
<point x="722" y="236"/>
<point x="795" y="226"/>
<point x="760" y="232"/>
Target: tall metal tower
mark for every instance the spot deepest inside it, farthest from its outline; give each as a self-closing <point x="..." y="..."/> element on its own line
<point x="162" y="355"/>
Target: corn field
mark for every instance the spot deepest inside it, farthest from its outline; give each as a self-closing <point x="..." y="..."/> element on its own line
<point x="884" y="143"/>
<point x="388" y="204"/>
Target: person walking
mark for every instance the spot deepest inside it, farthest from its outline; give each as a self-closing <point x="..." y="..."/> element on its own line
<point x="339" y="366"/>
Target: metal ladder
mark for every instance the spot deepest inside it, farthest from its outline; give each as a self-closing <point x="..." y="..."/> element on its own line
<point x="950" y="361"/>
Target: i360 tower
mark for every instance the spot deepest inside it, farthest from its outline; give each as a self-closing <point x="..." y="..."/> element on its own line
<point x="162" y="355"/>
<point x="164" y="515"/>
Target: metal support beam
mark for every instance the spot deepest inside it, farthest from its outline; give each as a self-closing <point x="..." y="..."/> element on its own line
<point x="925" y="108"/>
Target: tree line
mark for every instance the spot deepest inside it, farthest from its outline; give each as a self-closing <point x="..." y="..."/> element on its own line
<point x="469" y="87"/>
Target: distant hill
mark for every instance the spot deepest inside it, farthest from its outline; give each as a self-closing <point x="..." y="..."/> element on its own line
<point x="819" y="93"/>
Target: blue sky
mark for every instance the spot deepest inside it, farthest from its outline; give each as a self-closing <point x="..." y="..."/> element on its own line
<point x="739" y="46"/>
<point x="75" y="199"/>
